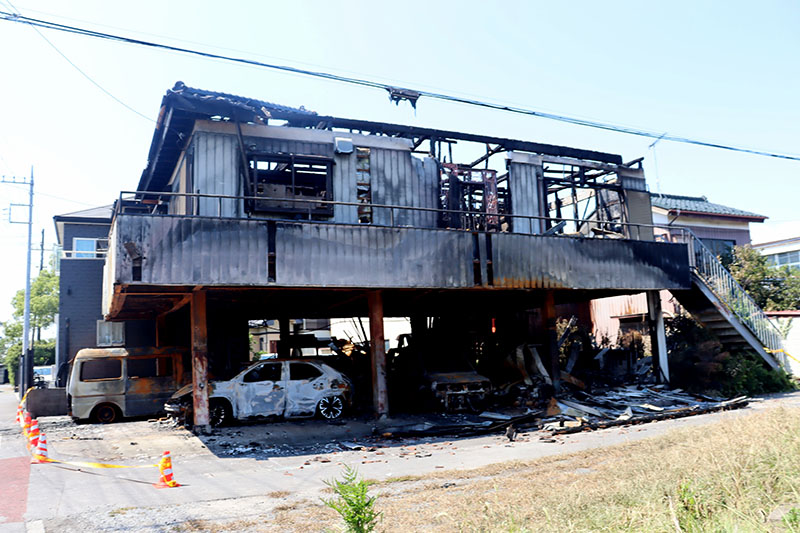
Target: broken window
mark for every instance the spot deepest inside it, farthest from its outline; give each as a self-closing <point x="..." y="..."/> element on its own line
<point x="363" y="186"/>
<point x="268" y="372"/>
<point x="287" y="184"/>
<point x="101" y="370"/>
<point x="301" y="371"/>
<point x="473" y="199"/>
<point x="584" y="201"/>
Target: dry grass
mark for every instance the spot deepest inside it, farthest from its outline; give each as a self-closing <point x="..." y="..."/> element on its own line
<point x="723" y="477"/>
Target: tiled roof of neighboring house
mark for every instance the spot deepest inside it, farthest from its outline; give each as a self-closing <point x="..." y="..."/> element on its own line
<point x="676" y="204"/>
<point x="103" y="212"/>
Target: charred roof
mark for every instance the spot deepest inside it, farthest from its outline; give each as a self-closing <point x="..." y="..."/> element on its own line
<point x="181" y="106"/>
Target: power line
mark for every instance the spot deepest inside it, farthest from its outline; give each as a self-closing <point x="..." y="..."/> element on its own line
<point x="396" y="93"/>
<point x="76" y="67"/>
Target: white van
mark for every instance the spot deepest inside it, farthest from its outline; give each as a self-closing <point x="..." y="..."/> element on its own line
<point x="107" y="384"/>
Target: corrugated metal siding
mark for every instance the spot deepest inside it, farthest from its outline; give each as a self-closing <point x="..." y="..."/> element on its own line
<point x="367" y="256"/>
<point x="524" y="182"/>
<point x="606" y="312"/>
<point x="216" y="172"/>
<point x="524" y="261"/>
<point x="220" y="251"/>
<point x="639" y="212"/>
<point x="190" y="250"/>
<point x="400" y="179"/>
<point x="344" y="188"/>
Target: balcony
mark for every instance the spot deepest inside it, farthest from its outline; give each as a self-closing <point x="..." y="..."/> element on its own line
<point x="150" y="248"/>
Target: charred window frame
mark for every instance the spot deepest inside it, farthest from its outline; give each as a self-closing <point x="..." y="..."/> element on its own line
<point x="363" y="186"/>
<point x="584" y="201"/>
<point x="481" y="197"/>
<point x="289" y="184"/>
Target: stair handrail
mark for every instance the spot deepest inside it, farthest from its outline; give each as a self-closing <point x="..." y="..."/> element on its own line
<point x="722" y="283"/>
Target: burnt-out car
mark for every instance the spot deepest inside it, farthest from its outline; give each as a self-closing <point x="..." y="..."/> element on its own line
<point x="444" y="379"/>
<point x="272" y="388"/>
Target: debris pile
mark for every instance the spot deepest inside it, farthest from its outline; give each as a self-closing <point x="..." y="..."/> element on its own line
<point x="628" y="405"/>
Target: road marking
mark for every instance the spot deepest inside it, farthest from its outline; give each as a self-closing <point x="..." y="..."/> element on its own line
<point x="34" y="526"/>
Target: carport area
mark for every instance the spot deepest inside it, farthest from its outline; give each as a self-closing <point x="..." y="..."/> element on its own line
<point x="469" y="350"/>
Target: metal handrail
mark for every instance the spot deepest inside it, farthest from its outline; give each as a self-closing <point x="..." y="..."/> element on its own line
<point x="722" y="283"/>
<point x="633" y="230"/>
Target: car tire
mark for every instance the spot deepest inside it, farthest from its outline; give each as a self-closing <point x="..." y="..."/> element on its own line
<point x="106" y="413"/>
<point x="330" y="407"/>
<point x="219" y="413"/>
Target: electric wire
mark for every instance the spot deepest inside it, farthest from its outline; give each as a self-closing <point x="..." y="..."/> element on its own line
<point x="18" y="18"/>
<point x="84" y="74"/>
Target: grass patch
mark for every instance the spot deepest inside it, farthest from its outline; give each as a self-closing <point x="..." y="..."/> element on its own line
<point x="727" y="476"/>
<point x="278" y="494"/>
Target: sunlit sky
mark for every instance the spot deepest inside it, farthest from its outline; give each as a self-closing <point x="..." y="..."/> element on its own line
<point x="725" y="72"/>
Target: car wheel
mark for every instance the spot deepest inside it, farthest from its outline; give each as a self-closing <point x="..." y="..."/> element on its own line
<point x="219" y="413"/>
<point x="106" y="413"/>
<point x="330" y="407"/>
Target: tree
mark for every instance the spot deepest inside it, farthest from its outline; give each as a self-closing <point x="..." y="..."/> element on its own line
<point x="772" y="288"/>
<point x="44" y="306"/>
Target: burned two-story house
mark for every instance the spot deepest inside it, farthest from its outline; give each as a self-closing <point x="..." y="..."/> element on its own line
<point x="251" y="210"/>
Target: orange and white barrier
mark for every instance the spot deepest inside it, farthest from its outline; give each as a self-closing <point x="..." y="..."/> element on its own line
<point x="33" y="435"/>
<point x="165" y="468"/>
<point x="26" y="424"/>
<point x="40" y="454"/>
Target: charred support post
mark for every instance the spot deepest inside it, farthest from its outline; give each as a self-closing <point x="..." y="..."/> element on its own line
<point x="549" y="315"/>
<point x="200" y="361"/>
<point x="380" y="399"/>
<point x="658" y="337"/>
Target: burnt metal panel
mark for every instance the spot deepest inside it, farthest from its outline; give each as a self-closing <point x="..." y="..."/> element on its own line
<point x="524" y="181"/>
<point x="403" y="180"/>
<point x="325" y="255"/>
<point x="222" y="251"/>
<point x="534" y="261"/>
<point x="216" y="172"/>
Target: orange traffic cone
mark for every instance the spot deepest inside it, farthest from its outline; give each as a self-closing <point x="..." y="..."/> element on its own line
<point x="33" y="435"/>
<point x="26" y="423"/>
<point x="18" y="419"/>
<point x="40" y="454"/>
<point x="165" y="468"/>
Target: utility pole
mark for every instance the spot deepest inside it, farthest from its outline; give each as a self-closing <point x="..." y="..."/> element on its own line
<point x="26" y="361"/>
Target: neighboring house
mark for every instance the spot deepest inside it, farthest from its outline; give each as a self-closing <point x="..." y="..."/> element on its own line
<point x="719" y="227"/>
<point x="83" y="243"/>
<point x="249" y="210"/>
<point x="781" y="252"/>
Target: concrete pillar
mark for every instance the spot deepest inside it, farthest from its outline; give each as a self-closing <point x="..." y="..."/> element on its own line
<point x="380" y="397"/>
<point x="658" y="337"/>
<point x="200" y="361"/>
<point x="549" y="315"/>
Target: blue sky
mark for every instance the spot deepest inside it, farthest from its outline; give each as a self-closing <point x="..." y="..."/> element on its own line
<point x="718" y="71"/>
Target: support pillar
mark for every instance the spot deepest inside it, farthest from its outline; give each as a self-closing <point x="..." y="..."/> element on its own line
<point x="200" y="361"/>
<point x="380" y="397"/>
<point x="549" y="315"/>
<point x="658" y="337"/>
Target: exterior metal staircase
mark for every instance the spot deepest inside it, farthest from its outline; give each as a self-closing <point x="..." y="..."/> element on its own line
<point x="721" y="304"/>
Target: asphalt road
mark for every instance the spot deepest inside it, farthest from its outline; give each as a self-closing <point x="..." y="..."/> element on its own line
<point x="218" y="481"/>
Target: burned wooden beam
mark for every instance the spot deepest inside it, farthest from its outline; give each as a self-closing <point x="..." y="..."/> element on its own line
<point x="200" y="361"/>
<point x="380" y="396"/>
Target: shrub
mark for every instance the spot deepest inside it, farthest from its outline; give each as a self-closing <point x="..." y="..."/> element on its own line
<point x="353" y="504"/>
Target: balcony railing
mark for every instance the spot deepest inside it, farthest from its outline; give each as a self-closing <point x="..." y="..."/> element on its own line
<point x="150" y="203"/>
